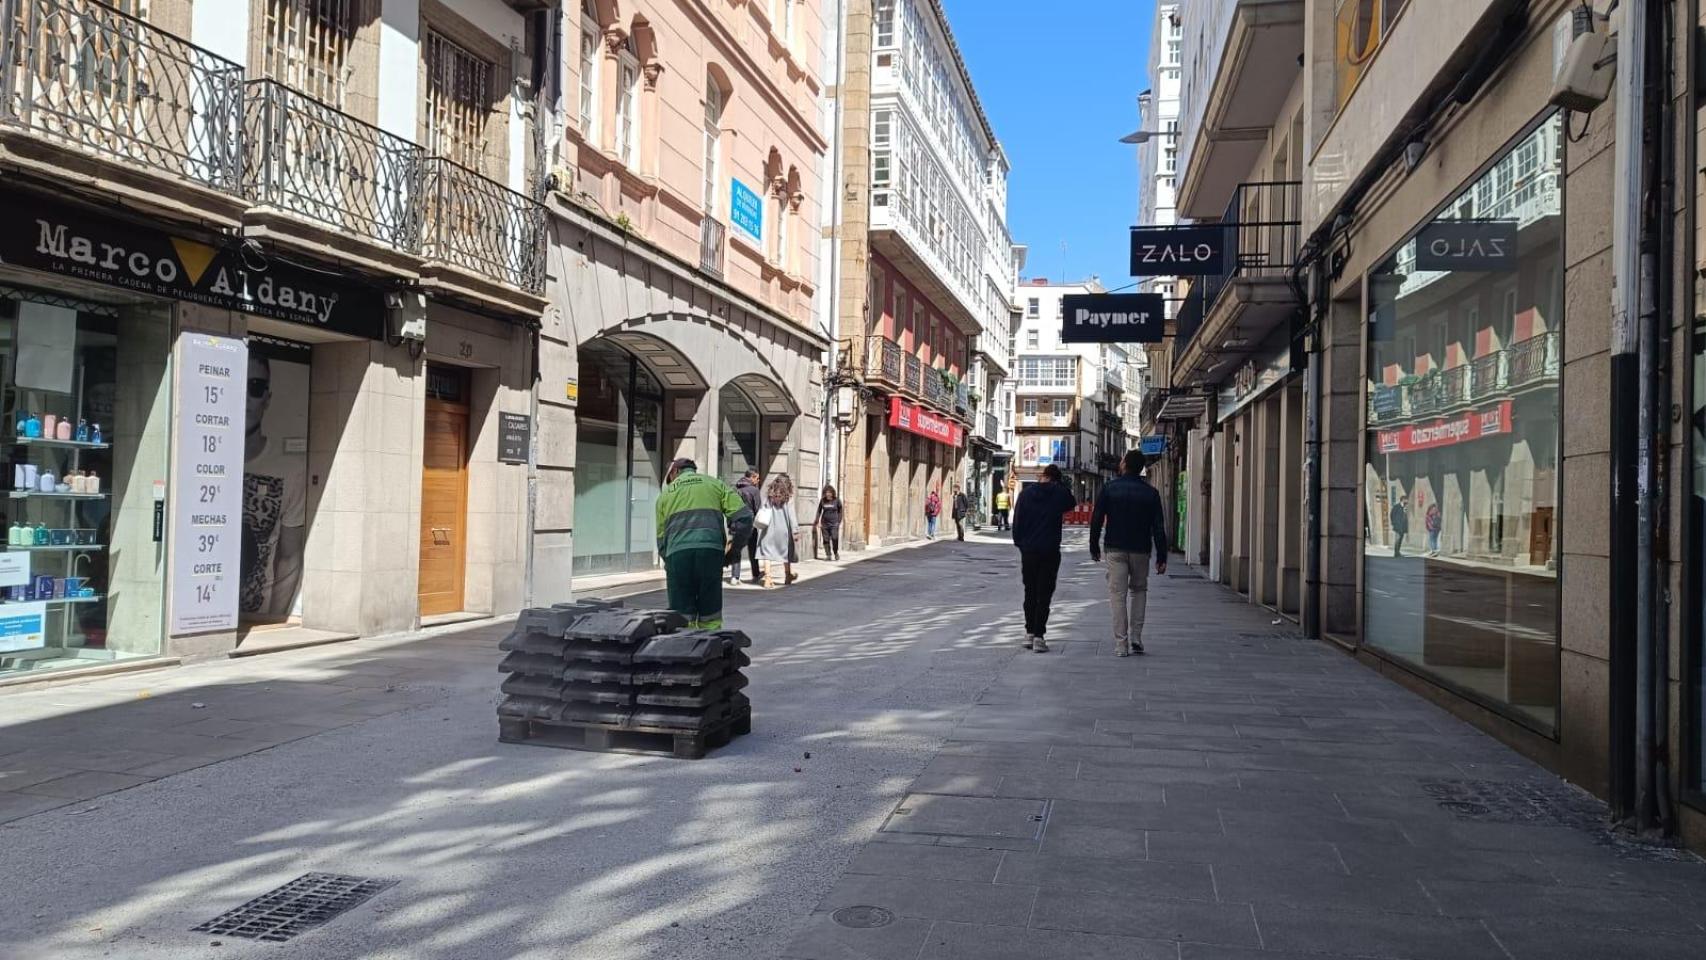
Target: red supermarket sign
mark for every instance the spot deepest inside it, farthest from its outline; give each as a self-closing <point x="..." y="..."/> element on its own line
<point x="915" y="419"/>
<point x="1469" y="425"/>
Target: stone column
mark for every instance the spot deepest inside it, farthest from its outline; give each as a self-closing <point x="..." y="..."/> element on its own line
<point x="853" y="314"/>
<point x="1342" y="468"/>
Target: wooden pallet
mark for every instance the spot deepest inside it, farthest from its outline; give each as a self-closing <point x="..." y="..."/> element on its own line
<point x="609" y="738"/>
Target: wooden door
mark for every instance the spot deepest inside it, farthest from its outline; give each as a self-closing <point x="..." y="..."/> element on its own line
<point x="444" y="494"/>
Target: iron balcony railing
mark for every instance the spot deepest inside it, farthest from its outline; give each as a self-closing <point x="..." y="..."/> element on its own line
<point x="1263" y="231"/>
<point x="991" y="428"/>
<point x="914" y="376"/>
<point x="935" y="391"/>
<point x="320" y="163"/>
<point x="483" y="226"/>
<point x="888" y="360"/>
<point x="962" y="397"/>
<point x="1489" y="377"/>
<point x="1189" y="319"/>
<point x="83" y="73"/>
<point x="1533" y="360"/>
<point x="711" y="246"/>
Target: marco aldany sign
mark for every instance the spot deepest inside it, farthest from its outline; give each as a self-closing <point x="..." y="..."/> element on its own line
<point x="1113" y="318"/>
<point x="74" y="243"/>
<point x="1178" y="251"/>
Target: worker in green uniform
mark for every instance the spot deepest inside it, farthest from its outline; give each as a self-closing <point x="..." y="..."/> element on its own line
<point x="700" y="519"/>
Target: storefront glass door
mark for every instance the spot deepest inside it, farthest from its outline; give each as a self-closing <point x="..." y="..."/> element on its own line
<point x="618" y="464"/>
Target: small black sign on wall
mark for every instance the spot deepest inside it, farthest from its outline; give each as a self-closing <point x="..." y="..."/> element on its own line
<point x="514" y="436"/>
<point x="1113" y="318"/>
<point x="1482" y="246"/>
<point x="1189" y="251"/>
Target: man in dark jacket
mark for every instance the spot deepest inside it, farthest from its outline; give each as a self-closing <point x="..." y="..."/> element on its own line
<point x="753" y="496"/>
<point x="1131" y="510"/>
<point x="962" y="506"/>
<point x="1037" y="519"/>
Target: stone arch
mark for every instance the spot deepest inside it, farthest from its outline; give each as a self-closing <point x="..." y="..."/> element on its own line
<point x="657" y="339"/>
<point x="663" y="359"/>
<point x="769" y="395"/>
<point x="716" y="74"/>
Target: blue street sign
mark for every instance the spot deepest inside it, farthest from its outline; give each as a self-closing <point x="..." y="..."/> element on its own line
<point x="746" y="211"/>
<point x="1153" y="446"/>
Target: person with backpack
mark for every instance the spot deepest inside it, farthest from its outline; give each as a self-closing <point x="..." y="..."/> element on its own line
<point x="1037" y="521"/>
<point x="961" y="507"/>
<point x="1131" y="510"/>
<point x="932" y="512"/>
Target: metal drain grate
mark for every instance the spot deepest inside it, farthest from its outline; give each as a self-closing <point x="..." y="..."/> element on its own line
<point x="298" y="906"/>
<point x="1497" y="801"/>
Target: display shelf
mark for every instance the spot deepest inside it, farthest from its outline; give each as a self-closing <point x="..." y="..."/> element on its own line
<point x="35" y="495"/>
<point x="69" y="444"/>
<point x="61" y="600"/>
<point x="53" y="548"/>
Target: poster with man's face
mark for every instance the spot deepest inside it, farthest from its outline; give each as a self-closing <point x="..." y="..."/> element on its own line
<point x="275" y="480"/>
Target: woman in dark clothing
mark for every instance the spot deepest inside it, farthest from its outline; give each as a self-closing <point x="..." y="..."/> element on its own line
<point x="829" y="522"/>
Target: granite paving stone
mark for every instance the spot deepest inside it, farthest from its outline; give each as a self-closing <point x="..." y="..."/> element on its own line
<point x="1239" y="793"/>
<point x="1150" y="918"/>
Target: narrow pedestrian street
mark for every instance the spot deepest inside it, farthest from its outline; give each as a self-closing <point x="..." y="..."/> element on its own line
<point x="916" y="786"/>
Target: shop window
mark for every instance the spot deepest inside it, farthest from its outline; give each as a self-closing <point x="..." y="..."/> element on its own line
<point x="1461" y="481"/>
<point x="738" y="436"/>
<point x="275" y="479"/>
<point x="86" y="414"/>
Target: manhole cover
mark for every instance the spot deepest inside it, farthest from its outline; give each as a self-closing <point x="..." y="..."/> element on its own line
<point x="300" y="905"/>
<point x="862" y="918"/>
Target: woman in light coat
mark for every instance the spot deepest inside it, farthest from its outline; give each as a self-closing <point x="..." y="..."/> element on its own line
<point x="778" y="530"/>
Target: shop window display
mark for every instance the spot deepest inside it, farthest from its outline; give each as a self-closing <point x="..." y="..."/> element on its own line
<point x="85" y="432"/>
<point x="1461" y="481"/>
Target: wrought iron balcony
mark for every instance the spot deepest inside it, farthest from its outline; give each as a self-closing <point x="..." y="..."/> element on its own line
<point x="935" y="391"/>
<point x="962" y="397"/>
<point x="914" y="376"/>
<point x="711" y="246"/>
<point x="1262" y="224"/>
<point x="1533" y="360"/>
<point x="483" y="226"/>
<point x="991" y="428"/>
<point x="308" y="159"/>
<point x="887" y="361"/>
<point x="1487" y="375"/>
<point x="82" y="73"/>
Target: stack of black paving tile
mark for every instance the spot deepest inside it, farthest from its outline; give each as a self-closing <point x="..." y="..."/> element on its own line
<point x="599" y="676"/>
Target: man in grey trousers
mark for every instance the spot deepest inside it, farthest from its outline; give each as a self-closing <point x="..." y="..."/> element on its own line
<point x="1131" y="510"/>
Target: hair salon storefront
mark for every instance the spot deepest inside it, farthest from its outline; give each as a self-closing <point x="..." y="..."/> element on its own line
<point x="208" y="441"/>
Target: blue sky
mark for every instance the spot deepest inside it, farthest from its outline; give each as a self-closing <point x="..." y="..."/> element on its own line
<point x="1059" y="81"/>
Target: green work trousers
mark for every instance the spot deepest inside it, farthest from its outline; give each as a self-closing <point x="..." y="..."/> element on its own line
<point x="696" y="587"/>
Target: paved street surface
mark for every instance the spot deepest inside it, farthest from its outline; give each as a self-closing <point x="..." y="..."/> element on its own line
<point x="1238" y="793"/>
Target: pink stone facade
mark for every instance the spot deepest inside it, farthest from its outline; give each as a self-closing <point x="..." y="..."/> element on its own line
<point x="639" y="152"/>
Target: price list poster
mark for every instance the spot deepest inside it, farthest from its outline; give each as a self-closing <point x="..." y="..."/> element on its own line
<point x="207" y="493"/>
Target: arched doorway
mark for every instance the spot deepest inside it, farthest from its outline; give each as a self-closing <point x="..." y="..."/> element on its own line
<point x="740" y="433"/>
<point x="618" y="462"/>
